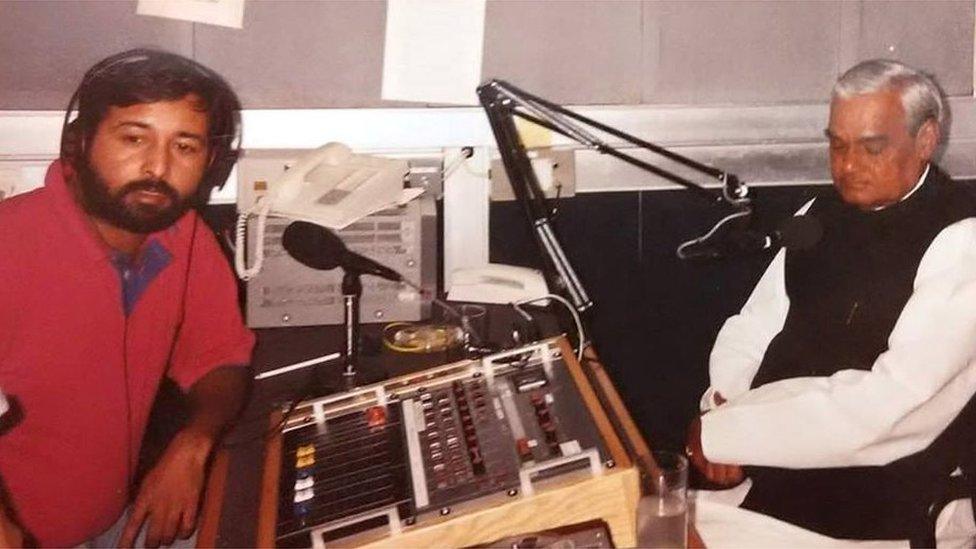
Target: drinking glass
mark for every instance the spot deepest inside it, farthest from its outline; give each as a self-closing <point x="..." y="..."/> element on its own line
<point x="662" y="513"/>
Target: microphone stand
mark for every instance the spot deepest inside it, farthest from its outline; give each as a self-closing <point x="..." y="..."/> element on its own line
<point x="352" y="291"/>
<point x="502" y="102"/>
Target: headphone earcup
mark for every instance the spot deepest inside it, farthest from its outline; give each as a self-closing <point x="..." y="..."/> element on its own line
<point x="216" y="175"/>
<point x="73" y="143"/>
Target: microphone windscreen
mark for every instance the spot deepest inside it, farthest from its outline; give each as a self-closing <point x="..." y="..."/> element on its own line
<point x="800" y="232"/>
<point x="313" y="245"/>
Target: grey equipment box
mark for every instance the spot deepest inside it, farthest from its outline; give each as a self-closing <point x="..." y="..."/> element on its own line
<point x="287" y="293"/>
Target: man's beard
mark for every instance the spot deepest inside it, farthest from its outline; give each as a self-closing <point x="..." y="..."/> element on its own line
<point x="133" y="216"/>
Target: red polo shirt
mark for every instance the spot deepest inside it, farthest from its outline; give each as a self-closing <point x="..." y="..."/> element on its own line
<point x="83" y="373"/>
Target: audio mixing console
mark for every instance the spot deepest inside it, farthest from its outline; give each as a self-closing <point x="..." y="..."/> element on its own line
<point x="423" y="448"/>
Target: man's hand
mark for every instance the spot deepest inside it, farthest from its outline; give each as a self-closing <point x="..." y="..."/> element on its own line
<point x="718" y="473"/>
<point x="170" y="494"/>
<point x="10" y="534"/>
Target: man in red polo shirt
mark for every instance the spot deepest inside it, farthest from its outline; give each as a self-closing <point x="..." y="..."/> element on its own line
<point x="110" y="281"/>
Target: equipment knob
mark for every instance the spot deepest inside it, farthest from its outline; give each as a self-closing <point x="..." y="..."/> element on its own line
<point x="376" y="415"/>
<point x="304" y="482"/>
<point x="304" y="495"/>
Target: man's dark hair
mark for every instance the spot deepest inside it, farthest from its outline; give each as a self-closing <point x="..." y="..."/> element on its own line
<point x="147" y="76"/>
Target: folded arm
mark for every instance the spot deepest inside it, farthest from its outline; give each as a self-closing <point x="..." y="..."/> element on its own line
<point x="169" y="495"/>
<point x="743" y="339"/>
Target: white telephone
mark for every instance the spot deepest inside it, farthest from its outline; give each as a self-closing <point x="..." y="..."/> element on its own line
<point x="329" y="186"/>
<point x="497" y="283"/>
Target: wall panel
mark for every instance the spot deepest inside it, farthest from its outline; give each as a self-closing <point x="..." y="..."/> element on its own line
<point x="936" y="36"/>
<point x="580" y="51"/>
<point x="46" y="45"/>
<point x="300" y="54"/>
<point x="329" y="54"/>
<point x="739" y="52"/>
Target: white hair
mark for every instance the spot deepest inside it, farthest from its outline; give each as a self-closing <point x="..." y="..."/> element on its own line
<point x="921" y="97"/>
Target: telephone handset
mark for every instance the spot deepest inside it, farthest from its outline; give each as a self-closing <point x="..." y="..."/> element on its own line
<point x="298" y="179"/>
<point x="329" y="186"/>
<point x="497" y="283"/>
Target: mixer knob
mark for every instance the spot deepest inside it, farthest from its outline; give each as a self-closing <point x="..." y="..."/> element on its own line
<point x="305" y="450"/>
<point x="477" y="461"/>
<point x="303" y="483"/>
<point x="549" y="430"/>
<point x="376" y="416"/>
<point x="304" y="495"/>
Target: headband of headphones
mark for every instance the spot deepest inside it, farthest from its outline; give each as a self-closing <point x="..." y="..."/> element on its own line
<point x="224" y="141"/>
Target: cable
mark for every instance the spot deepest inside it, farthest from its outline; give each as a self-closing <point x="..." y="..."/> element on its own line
<point x="443" y="304"/>
<point x="297" y="366"/>
<point x="727" y="220"/>
<point x="572" y="310"/>
<point x="525" y="315"/>
<point x="466" y="153"/>
<point x="240" y="265"/>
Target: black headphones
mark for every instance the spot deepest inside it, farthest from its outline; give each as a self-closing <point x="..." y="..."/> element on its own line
<point x="224" y="141"/>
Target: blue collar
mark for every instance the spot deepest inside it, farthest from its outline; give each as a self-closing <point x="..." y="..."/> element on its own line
<point x="137" y="274"/>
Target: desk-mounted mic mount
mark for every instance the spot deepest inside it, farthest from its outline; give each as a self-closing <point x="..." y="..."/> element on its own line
<point x="319" y="248"/>
<point x="503" y="101"/>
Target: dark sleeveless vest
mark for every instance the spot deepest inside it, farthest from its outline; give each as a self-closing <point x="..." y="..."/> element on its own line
<point x="846" y="294"/>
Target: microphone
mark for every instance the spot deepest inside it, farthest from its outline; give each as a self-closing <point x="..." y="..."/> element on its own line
<point x="800" y="232"/>
<point x="319" y="248"/>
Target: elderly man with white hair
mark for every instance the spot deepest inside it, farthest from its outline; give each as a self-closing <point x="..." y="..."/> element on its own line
<point x="842" y="389"/>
